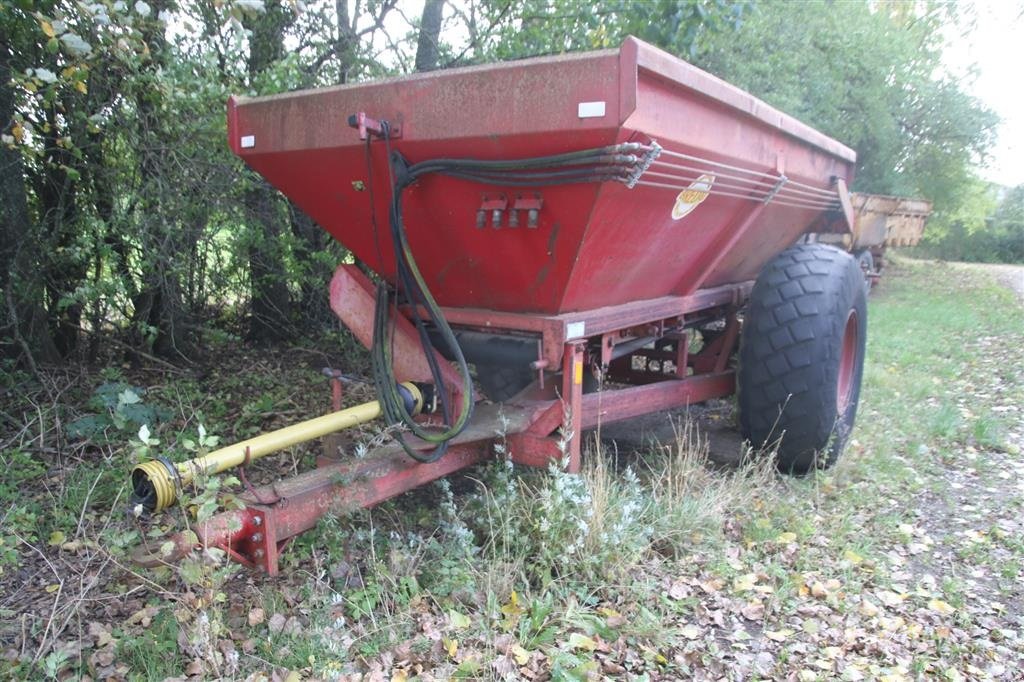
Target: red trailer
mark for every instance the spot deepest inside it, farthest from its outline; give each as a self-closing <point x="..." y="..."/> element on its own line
<point x="592" y="237"/>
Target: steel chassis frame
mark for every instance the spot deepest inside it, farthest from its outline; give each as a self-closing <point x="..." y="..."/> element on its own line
<point x="542" y="423"/>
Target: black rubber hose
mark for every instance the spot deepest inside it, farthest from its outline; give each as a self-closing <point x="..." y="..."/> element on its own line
<point x="592" y="165"/>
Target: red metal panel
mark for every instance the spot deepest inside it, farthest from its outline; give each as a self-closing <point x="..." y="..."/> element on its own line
<point x="255" y="535"/>
<point x="353" y="301"/>
<point x="555" y="329"/>
<point x="594" y="245"/>
<point x="612" y="406"/>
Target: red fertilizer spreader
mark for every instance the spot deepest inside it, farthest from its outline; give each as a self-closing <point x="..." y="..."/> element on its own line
<point x="542" y="246"/>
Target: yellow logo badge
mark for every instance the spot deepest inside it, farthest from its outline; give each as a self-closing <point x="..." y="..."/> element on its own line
<point x="691" y="197"/>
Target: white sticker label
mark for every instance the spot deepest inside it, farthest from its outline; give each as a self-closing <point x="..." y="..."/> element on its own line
<point x="248" y="141"/>
<point x="575" y="330"/>
<point x="591" y="109"/>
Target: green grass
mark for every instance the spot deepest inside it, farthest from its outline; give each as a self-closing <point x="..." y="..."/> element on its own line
<point x="629" y="557"/>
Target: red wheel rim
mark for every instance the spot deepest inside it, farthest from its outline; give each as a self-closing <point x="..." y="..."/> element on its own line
<point x="847" y="361"/>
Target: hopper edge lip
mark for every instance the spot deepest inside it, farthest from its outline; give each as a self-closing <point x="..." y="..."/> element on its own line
<point x="428" y="75"/>
<point x="666" y="66"/>
<point x="634" y="54"/>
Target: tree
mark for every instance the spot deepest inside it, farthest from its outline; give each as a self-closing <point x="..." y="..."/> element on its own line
<point x="428" y="41"/>
<point x="871" y="76"/>
<point x="270" y="319"/>
<point x="25" y="319"/>
<point x="535" y="27"/>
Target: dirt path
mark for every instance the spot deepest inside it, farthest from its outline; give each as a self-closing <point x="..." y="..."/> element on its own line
<point x="1011" y="276"/>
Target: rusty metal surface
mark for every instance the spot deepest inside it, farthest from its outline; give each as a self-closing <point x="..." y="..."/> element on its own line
<point x="353" y="300"/>
<point x="534" y="431"/>
<point x="593" y="244"/>
<point x="555" y="330"/>
<point x="888" y="221"/>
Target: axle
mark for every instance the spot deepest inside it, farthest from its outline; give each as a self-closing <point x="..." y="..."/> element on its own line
<point x="155" y="484"/>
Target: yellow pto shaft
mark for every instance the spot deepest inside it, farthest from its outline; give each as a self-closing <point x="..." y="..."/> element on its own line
<point x="155" y="484"/>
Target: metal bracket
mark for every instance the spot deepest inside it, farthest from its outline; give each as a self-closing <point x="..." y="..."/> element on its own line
<point x="378" y="128"/>
<point x="779" y="184"/>
<point x="493" y="207"/>
<point x="531" y="205"/>
<point x="653" y="152"/>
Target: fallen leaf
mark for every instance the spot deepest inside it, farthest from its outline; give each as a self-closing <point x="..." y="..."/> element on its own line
<point x="713" y="585"/>
<point x="889" y="598"/>
<point x="256" y="616"/>
<point x="521" y="655"/>
<point x="679" y="590"/>
<point x="612" y="618"/>
<point x="777" y="635"/>
<point x="940" y="606"/>
<point x="744" y="583"/>
<point x="276" y="623"/>
<point x="853" y="557"/>
<point x="458" y="620"/>
<point x="293" y="626"/>
<point x="690" y="631"/>
<point x="512" y="609"/>
<point x="578" y="641"/>
<point x="753" y="611"/>
<point x="786" y="538"/>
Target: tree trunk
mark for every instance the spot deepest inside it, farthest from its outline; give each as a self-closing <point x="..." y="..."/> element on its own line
<point x="344" y="41"/>
<point x="159" y="312"/>
<point x="315" y="308"/>
<point x="271" y="307"/>
<point x="430" y="34"/>
<point x="24" y="317"/>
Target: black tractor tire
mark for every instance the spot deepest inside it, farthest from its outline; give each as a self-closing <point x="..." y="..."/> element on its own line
<point x="867" y="265"/>
<point x="801" y="356"/>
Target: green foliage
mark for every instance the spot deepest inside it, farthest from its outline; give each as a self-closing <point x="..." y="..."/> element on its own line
<point x="538" y="27"/>
<point x="19" y="523"/>
<point x="153" y="653"/>
<point x="138" y="222"/>
<point x="983" y="230"/>
<point x="120" y="407"/>
<point x="871" y="76"/>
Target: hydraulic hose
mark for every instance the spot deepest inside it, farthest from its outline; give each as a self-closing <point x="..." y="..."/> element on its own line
<point x="616" y="163"/>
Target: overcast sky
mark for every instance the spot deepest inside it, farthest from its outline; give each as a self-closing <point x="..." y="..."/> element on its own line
<point x="996" y="47"/>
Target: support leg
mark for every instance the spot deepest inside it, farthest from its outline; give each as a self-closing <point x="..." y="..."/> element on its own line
<point x="572" y="397"/>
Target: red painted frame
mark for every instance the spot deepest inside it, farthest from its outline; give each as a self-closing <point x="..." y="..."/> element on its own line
<point x="540" y="425"/>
